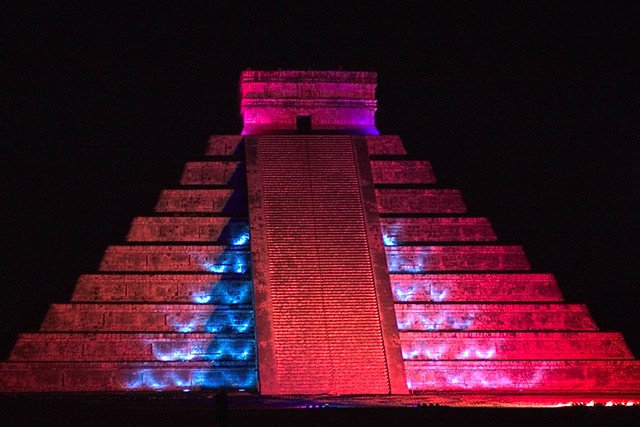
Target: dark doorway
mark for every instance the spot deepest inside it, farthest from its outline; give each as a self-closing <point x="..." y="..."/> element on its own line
<point x="303" y="124"/>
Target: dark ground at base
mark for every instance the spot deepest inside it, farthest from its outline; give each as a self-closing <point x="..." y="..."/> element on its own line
<point x="107" y="410"/>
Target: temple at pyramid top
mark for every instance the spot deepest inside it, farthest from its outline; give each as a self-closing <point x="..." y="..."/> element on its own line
<point x="306" y="102"/>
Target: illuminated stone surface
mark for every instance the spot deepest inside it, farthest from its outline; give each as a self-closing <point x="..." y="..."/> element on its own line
<point x="190" y="229"/>
<point x="513" y="345"/>
<point x="336" y="101"/>
<point x="447" y="258"/>
<point x="492" y="317"/>
<point x="402" y="172"/>
<point x="322" y="291"/>
<point x="214" y="173"/>
<point x="366" y="279"/>
<point x="419" y="201"/>
<point x="229" y="201"/>
<point x="405" y="230"/>
<point x="141" y="347"/>
<point x="178" y="288"/>
<point x="498" y="287"/>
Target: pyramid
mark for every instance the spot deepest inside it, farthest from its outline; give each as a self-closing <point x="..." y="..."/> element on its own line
<point x="310" y="256"/>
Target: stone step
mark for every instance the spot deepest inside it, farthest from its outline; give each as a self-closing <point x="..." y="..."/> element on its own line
<point x="540" y="375"/>
<point x="493" y="317"/>
<point x="226" y="201"/>
<point x="213" y="259"/>
<point x="125" y="376"/>
<point x="225" y="145"/>
<point x="214" y="173"/>
<point x="385" y="145"/>
<point x="323" y="332"/>
<point x="76" y="317"/>
<point x="419" y="201"/>
<point x="234" y="173"/>
<point x="232" y="230"/>
<point x="414" y="259"/>
<point x="169" y="288"/>
<point x="409" y="230"/>
<point x="513" y="345"/>
<point x="126" y="347"/>
<point x="475" y="287"/>
<point x="402" y="172"/>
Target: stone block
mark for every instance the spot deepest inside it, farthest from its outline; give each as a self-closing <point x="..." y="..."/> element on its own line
<point x="544" y="375"/>
<point x="227" y="201"/>
<point x="46" y="347"/>
<point x="419" y="201"/>
<point x="225" y="145"/>
<point x="82" y="347"/>
<point x="148" y="318"/>
<point x="385" y="145"/>
<point x="414" y="259"/>
<point x="402" y="172"/>
<point x="190" y="229"/>
<point x="502" y="287"/>
<point x="59" y="318"/>
<point x="493" y="317"/>
<point x="214" y="259"/>
<point x="183" y="288"/>
<point x="513" y="345"/>
<point x="125" y="376"/>
<point x="214" y="173"/>
<point x="399" y="230"/>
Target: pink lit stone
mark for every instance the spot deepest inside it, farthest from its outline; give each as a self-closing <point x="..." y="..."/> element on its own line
<point x="327" y="263"/>
<point x="336" y="101"/>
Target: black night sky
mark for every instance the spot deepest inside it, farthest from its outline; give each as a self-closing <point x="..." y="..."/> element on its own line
<point x="533" y="112"/>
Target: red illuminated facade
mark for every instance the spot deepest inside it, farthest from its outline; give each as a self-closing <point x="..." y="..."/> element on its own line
<point x="308" y="256"/>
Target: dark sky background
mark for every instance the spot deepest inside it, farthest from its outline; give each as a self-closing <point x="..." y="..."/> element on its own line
<point x="533" y="112"/>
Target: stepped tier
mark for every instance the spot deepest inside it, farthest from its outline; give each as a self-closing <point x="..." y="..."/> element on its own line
<point x="125" y="376"/>
<point x="132" y="347"/>
<point x="493" y="317"/>
<point x="214" y="173"/>
<point x="176" y="288"/>
<point x="184" y="318"/>
<point x="173" y="309"/>
<point x="233" y="230"/>
<point x="513" y="345"/>
<point x="233" y="173"/>
<point x="213" y="259"/>
<point x="501" y="287"/>
<point x="449" y="258"/>
<point x="366" y="279"/>
<point x="227" y="201"/>
<point x="382" y="145"/>
<point x="402" y="172"/>
<point x="233" y="145"/>
<point x="401" y="230"/>
<point x="571" y="376"/>
<point x="225" y="145"/>
<point x="419" y="201"/>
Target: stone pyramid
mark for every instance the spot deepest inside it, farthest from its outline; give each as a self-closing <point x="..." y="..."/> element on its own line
<point x="311" y="256"/>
